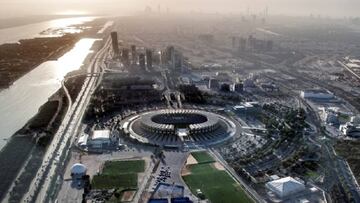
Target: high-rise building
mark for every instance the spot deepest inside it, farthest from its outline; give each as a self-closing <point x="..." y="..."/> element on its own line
<point x="169" y="53"/>
<point x="206" y="38"/>
<point x="269" y="45"/>
<point x="149" y="58"/>
<point x="251" y="42"/>
<point x="125" y="56"/>
<point x="178" y="61"/>
<point x="173" y="59"/>
<point x="225" y="87"/>
<point x="242" y="44"/>
<point x="114" y="40"/>
<point x="133" y="54"/>
<point x="156" y="58"/>
<point x="163" y="59"/>
<point x="214" y="84"/>
<point x="233" y="42"/>
<point x="238" y="87"/>
<point x="142" y="60"/>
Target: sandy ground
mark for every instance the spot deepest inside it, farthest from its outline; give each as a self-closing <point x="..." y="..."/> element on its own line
<point x="185" y="171"/>
<point x="128" y="196"/>
<point x="191" y="160"/>
<point x="218" y="166"/>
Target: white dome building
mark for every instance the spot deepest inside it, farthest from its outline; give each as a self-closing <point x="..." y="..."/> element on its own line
<point x="78" y="169"/>
<point x="285" y="187"/>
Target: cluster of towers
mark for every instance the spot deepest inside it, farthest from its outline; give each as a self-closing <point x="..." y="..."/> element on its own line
<point x="169" y="57"/>
<point x="172" y="58"/>
<point x="251" y="44"/>
<point x="131" y="56"/>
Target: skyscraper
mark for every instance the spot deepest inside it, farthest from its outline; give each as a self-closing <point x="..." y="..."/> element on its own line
<point x="170" y="51"/>
<point x="242" y="44"/>
<point x="133" y="54"/>
<point x="269" y="45"/>
<point x="149" y="58"/>
<point x="125" y="56"/>
<point x="173" y="59"/>
<point x="178" y="61"/>
<point x="142" y="60"/>
<point x="114" y="40"/>
<point x="233" y="42"/>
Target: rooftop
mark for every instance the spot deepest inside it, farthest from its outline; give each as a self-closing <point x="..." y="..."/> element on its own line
<point x="101" y="134"/>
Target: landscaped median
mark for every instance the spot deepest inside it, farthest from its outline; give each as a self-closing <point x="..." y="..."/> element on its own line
<point x="209" y="179"/>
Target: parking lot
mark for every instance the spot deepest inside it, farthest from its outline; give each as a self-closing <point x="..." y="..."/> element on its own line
<point x="169" y="171"/>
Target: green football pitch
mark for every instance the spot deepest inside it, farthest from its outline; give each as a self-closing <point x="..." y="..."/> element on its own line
<point x="216" y="185"/>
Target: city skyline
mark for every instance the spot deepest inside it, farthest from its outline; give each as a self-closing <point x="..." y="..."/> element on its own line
<point x="326" y="8"/>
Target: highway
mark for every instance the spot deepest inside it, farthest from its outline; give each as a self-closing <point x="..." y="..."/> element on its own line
<point x="349" y="69"/>
<point x="43" y="186"/>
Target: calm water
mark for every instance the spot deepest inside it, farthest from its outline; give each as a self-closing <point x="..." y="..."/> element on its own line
<point x="22" y="100"/>
<point x="52" y="28"/>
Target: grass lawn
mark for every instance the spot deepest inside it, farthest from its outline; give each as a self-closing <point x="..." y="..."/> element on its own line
<point x="123" y="181"/>
<point x="216" y="185"/>
<point x="121" y="167"/>
<point x="312" y="174"/>
<point x="202" y="157"/>
<point x="119" y="175"/>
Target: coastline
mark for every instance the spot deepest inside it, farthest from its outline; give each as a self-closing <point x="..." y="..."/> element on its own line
<point x="23" y="152"/>
<point x="22" y="155"/>
<point x="18" y="59"/>
<point x="20" y="146"/>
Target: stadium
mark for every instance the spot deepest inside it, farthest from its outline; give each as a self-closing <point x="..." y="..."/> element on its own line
<point x="176" y="127"/>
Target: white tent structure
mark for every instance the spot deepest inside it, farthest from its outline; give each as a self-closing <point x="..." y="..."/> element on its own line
<point x="100" y="138"/>
<point x="78" y="169"/>
<point x="285" y="186"/>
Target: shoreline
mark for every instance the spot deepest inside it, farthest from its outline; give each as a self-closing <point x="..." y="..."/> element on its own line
<point x="23" y="152"/>
<point x="6" y="23"/>
<point x="18" y="59"/>
<point x="25" y="141"/>
<point x="29" y="144"/>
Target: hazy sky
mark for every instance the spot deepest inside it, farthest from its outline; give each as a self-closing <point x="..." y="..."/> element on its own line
<point x="11" y="8"/>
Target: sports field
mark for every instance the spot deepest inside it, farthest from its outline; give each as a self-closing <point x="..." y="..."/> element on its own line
<point x="216" y="185"/>
<point x="202" y="157"/>
<point x="119" y="175"/>
<point x="121" y="167"/>
<point x="121" y="181"/>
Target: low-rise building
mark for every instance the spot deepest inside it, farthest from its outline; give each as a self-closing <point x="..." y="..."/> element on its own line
<point x="83" y="140"/>
<point x="285" y="187"/>
<point x="100" y="138"/>
<point x="246" y="108"/>
<point x="317" y="94"/>
<point x="350" y="129"/>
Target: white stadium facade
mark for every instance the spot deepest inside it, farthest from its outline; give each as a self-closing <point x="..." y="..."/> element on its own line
<point x="174" y="127"/>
